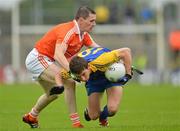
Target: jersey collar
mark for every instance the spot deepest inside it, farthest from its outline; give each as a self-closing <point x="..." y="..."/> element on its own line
<point x="77" y="27"/>
<point x="77" y="30"/>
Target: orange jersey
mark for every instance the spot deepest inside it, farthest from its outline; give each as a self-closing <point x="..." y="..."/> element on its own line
<point x="67" y="33"/>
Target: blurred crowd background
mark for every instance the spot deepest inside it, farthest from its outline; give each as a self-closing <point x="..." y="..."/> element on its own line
<point x="151" y="28"/>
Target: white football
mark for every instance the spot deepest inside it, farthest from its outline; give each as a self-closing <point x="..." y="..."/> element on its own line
<point x="115" y="72"/>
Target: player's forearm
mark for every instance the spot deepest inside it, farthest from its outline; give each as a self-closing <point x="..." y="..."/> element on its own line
<point x="61" y="59"/>
<point x="125" y="56"/>
<point x="59" y="55"/>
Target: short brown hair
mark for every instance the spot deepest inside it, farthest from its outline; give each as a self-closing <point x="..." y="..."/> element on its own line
<point x="84" y="12"/>
<point x="77" y="65"/>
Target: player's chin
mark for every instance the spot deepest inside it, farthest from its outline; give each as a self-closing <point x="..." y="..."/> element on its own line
<point x="90" y="29"/>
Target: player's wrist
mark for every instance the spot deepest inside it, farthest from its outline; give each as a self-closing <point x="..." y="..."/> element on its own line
<point x="129" y="76"/>
<point x="125" y="79"/>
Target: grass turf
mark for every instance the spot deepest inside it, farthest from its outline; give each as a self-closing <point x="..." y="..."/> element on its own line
<point x="143" y="108"/>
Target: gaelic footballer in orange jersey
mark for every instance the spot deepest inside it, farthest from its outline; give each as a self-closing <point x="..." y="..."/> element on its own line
<point x="50" y="58"/>
<point x="68" y="33"/>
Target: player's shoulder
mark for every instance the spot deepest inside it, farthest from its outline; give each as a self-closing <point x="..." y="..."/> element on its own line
<point x="65" y="26"/>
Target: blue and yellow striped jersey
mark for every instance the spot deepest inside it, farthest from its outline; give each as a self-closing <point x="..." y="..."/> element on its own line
<point x="99" y="58"/>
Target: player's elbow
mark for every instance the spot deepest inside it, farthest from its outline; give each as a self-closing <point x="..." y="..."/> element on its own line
<point x="124" y="52"/>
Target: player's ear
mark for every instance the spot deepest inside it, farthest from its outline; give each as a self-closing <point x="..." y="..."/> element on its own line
<point x="81" y="19"/>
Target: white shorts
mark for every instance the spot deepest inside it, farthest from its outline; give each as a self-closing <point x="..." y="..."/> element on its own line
<point x="36" y="63"/>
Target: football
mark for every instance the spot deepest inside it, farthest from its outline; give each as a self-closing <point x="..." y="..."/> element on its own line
<point x="115" y="72"/>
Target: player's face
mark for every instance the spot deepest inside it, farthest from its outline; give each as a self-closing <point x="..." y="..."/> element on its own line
<point x="88" y="23"/>
<point x="84" y="76"/>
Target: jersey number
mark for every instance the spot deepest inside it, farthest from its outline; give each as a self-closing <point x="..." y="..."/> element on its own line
<point x="89" y="52"/>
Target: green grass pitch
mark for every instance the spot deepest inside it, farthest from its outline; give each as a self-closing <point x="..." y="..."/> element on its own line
<point x="143" y="108"/>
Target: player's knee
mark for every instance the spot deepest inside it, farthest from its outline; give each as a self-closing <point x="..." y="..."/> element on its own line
<point x="56" y="90"/>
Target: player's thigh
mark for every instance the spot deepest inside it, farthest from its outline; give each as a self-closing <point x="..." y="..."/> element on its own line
<point x="114" y="95"/>
<point x="47" y="78"/>
<point x="49" y="73"/>
<point x="94" y="103"/>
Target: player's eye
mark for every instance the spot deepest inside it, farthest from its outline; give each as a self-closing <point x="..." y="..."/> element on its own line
<point x="92" y="21"/>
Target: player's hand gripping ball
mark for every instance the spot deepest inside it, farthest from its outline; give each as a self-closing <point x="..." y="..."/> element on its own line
<point x="115" y="72"/>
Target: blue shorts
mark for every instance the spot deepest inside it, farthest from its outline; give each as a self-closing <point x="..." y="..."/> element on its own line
<point x="98" y="83"/>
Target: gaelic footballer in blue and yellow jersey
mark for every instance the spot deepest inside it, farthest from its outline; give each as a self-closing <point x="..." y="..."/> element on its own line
<point x="99" y="58"/>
